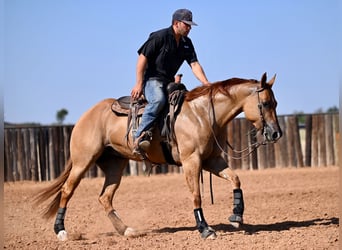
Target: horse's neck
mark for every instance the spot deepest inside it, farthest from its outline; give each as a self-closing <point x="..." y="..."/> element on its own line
<point x="222" y="108"/>
<point x="225" y="108"/>
<point x="218" y="110"/>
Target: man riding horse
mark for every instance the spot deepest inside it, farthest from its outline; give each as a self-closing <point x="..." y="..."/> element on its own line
<point x="159" y="59"/>
<point x="100" y="136"/>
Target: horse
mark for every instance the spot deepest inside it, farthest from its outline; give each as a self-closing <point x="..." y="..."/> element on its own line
<point x="98" y="138"/>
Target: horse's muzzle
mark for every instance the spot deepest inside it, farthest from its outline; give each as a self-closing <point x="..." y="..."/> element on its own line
<point x="271" y="134"/>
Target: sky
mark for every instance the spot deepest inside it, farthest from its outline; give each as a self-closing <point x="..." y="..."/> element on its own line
<point x="71" y="54"/>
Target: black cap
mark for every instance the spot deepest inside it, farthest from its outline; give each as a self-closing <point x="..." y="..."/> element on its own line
<point x="183" y="15"/>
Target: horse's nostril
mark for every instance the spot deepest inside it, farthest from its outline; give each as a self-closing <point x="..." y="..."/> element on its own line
<point x="276" y="135"/>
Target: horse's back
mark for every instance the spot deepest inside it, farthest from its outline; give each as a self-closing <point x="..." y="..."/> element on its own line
<point x="94" y="124"/>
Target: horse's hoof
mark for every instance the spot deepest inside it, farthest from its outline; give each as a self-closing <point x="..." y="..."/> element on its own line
<point x="62" y="235"/>
<point x="235" y="224"/>
<point x="208" y="233"/>
<point x="235" y="220"/>
<point x="130" y="232"/>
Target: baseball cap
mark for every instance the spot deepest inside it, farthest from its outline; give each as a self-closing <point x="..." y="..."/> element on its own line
<point x="183" y="15"/>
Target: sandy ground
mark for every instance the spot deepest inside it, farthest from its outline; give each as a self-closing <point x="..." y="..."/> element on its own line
<point x="285" y="209"/>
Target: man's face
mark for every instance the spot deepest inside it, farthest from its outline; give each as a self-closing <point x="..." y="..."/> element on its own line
<point x="182" y="28"/>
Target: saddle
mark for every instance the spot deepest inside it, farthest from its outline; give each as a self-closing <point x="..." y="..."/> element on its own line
<point x="125" y="106"/>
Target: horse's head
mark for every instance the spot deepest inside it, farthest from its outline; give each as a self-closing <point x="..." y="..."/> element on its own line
<point x="260" y="109"/>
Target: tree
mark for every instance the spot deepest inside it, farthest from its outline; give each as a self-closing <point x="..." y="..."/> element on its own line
<point x="332" y="109"/>
<point x="61" y="114"/>
<point x="301" y="117"/>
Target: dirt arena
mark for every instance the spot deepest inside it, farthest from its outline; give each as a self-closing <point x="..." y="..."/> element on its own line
<point x="284" y="209"/>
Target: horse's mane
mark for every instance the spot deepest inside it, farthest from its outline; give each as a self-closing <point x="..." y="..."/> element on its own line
<point x="220" y="86"/>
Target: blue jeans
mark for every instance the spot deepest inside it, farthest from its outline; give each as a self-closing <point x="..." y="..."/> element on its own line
<point x="156" y="99"/>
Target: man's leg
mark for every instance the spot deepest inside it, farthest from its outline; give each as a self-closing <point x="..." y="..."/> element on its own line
<point x="156" y="100"/>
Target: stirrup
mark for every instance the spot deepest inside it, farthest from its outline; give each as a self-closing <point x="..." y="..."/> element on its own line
<point x="142" y="142"/>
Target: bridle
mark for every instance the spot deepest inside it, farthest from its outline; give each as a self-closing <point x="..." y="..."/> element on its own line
<point x="242" y="153"/>
<point x="261" y="113"/>
<point x="250" y="148"/>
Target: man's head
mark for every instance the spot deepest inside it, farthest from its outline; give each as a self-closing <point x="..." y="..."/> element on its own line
<point x="183" y="15"/>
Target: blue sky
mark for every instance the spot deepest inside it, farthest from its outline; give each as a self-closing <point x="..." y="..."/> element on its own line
<point x="73" y="53"/>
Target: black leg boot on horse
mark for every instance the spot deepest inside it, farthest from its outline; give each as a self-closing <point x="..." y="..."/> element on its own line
<point x="202" y="226"/>
<point x="236" y="218"/>
<point x="59" y="225"/>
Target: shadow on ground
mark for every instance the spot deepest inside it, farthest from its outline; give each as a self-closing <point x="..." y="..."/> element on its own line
<point x="251" y="229"/>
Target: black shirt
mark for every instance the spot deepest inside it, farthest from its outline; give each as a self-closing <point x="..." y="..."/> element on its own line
<point x="164" y="57"/>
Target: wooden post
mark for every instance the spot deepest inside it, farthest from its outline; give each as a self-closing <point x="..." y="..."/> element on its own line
<point x="329" y="139"/>
<point x="336" y="126"/>
<point x="66" y="146"/>
<point x="280" y="148"/>
<point x="44" y="146"/>
<point x="20" y="159"/>
<point x="244" y="143"/>
<point x="254" y="155"/>
<point x="39" y="168"/>
<point x="322" y="144"/>
<point x="93" y="171"/>
<point x="33" y="155"/>
<point x="27" y="152"/>
<point x="52" y="161"/>
<point x="8" y="173"/>
<point x="15" y="150"/>
<point x="262" y="157"/>
<point x="308" y="140"/>
<point x="314" y="146"/>
<point x="271" y="163"/>
<point x="290" y="141"/>
<point x="58" y="148"/>
<point x="133" y="168"/>
<point x="297" y="143"/>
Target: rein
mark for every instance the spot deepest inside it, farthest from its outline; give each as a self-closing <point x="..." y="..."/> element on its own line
<point x="251" y="148"/>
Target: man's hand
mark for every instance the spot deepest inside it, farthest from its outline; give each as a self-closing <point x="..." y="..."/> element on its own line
<point x="178" y="78"/>
<point x="140" y="70"/>
<point x="136" y="91"/>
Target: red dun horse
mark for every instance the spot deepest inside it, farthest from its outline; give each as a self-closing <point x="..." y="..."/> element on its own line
<point x="99" y="138"/>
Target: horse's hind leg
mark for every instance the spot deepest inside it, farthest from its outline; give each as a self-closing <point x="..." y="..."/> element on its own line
<point x="112" y="166"/>
<point x="76" y="173"/>
<point x="219" y="167"/>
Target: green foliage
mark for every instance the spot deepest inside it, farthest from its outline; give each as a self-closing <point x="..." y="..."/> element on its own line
<point x="61" y="114"/>
<point x="332" y="109"/>
<point x="301" y="117"/>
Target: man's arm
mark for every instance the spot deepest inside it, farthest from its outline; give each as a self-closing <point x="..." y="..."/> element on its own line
<point x="199" y="73"/>
<point x="140" y="70"/>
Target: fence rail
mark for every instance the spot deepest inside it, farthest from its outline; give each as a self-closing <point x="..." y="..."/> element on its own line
<point x="39" y="153"/>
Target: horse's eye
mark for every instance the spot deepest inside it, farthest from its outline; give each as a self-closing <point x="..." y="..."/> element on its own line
<point x="266" y="104"/>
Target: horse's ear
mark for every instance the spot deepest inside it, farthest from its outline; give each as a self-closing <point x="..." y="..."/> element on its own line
<point x="263" y="80"/>
<point x="270" y="83"/>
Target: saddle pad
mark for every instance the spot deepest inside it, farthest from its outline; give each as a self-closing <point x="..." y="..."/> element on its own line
<point x="122" y="105"/>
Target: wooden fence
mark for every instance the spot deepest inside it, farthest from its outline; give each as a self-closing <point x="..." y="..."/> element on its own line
<point x="39" y="153"/>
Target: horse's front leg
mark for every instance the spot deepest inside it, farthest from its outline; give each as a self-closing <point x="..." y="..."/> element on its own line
<point x="192" y="168"/>
<point x="219" y="167"/>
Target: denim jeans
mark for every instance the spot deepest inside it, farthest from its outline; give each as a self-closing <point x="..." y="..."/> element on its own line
<point x="156" y="99"/>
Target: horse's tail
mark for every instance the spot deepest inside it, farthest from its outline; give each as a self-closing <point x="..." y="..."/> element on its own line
<point x="46" y="193"/>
